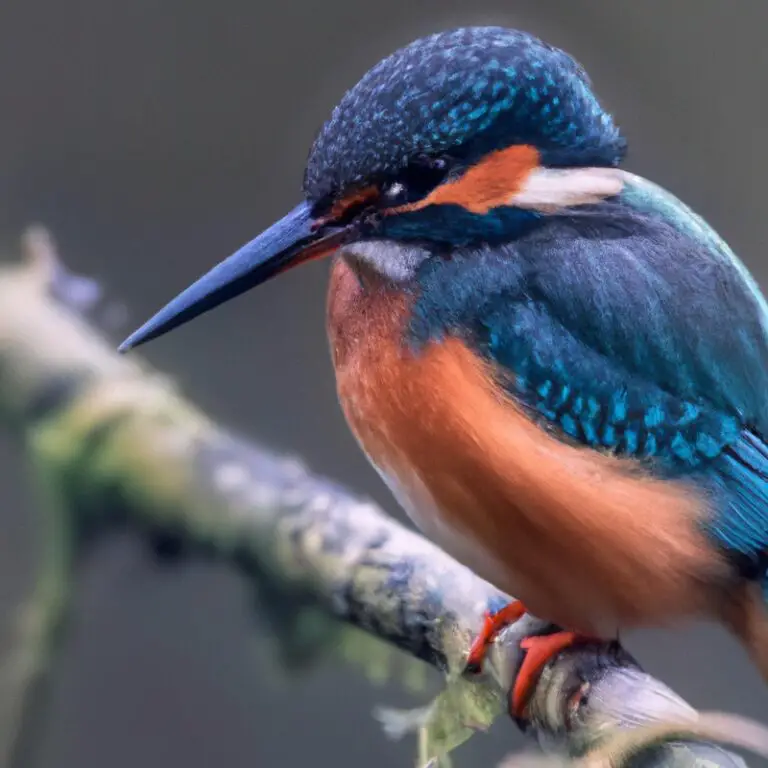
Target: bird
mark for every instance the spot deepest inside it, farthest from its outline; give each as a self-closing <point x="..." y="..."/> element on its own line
<point x="558" y="368"/>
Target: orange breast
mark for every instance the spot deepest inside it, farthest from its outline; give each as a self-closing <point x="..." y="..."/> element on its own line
<point x="582" y="538"/>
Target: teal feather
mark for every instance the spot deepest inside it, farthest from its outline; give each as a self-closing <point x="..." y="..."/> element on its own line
<point x="630" y="327"/>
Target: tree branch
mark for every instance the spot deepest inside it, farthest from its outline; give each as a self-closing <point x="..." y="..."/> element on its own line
<point x="116" y="444"/>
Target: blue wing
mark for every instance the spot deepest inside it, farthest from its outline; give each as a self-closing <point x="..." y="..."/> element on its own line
<point x="630" y="327"/>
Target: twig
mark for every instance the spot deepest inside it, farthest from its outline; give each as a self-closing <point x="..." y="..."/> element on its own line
<point x="116" y="444"/>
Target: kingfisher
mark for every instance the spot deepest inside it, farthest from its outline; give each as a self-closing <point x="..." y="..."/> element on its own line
<point x="557" y="367"/>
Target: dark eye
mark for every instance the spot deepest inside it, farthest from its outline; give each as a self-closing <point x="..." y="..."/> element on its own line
<point x="416" y="180"/>
<point x="395" y="193"/>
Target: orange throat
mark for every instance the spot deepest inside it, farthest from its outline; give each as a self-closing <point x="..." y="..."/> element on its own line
<point x="583" y="539"/>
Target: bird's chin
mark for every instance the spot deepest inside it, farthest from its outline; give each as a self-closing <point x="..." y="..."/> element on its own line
<point x="394" y="261"/>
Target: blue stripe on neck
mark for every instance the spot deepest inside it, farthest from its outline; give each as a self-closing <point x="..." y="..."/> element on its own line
<point x="456" y="226"/>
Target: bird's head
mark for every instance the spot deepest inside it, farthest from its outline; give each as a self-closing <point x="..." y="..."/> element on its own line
<point x="464" y="137"/>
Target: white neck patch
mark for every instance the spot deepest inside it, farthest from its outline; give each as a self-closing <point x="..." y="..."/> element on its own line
<point x="550" y="190"/>
<point x="396" y="261"/>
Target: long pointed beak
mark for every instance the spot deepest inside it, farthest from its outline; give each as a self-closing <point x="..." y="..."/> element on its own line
<point x="290" y="241"/>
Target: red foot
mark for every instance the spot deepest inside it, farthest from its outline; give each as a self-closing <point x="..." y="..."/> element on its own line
<point x="493" y="624"/>
<point x="539" y="650"/>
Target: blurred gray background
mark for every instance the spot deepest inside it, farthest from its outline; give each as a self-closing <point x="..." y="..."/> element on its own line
<point x="155" y="137"/>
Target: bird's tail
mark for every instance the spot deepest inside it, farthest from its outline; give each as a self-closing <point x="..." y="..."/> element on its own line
<point x="741" y="526"/>
<point x="741" y="529"/>
<point x="746" y="614"/>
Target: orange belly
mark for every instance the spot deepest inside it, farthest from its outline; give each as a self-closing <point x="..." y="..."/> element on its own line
<point x="582" y="538"/>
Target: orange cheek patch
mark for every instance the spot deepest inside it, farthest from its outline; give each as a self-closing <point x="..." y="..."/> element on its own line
<point x="489" y="184"/>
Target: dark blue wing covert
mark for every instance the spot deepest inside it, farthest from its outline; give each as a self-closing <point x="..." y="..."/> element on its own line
<point x="627" y="326"/>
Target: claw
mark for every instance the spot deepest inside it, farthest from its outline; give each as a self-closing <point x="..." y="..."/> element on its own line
<point x="493" y="625"/>
<point x="539" y="651"/>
